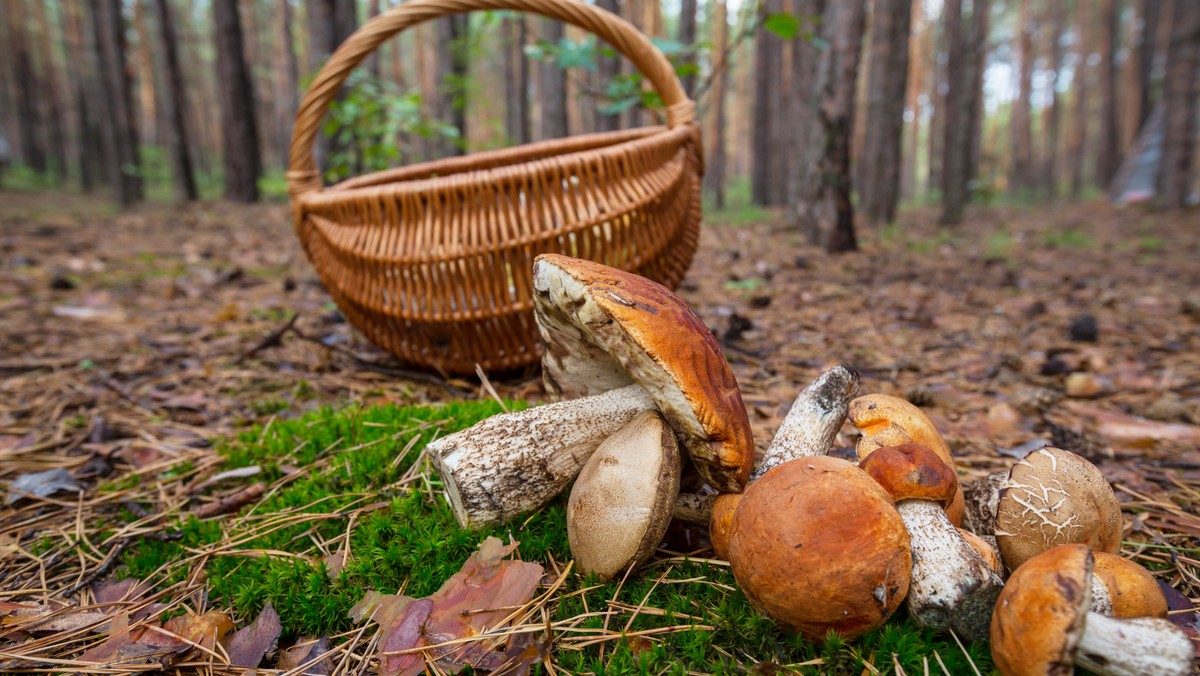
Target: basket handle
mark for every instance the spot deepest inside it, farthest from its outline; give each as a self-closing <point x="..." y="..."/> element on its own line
<point x="303" y="175"/>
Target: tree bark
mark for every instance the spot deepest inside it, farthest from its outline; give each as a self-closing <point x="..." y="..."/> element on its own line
<point x="769" y="135"/>
<point x="55" y="112"/>
<point x="979" y="47"/>
<point x="554" y="86"/>
<point x="243" y="164"/>
<point x="1151" y="13"/>
<point x="1053" y="114"/>
<point x="802" y="108"/>
<point x="912" y="97"/>
<point x="1109" y="158"/>
<point x="29" y="144"/>
<point x="120" y="127"/>
<point x="955" y="146"/>
<point x="1179" y="99"/>
<point x="825" y="211"/>
<point x="176" y="103"/>
<point x="714" y="175"/>
<point x="937" y="120"/>
<point x="144" y="77"/>
<point x="516" y="77"/>
<point x="1079" y="85"/>
<point x="1020" y="174"/>
<point x="879" y="193"/>
<point x="608" y="68"/>
<point x="287" y="80"/>
<point x="80" y="80"/>
<point x="687" y="38"/>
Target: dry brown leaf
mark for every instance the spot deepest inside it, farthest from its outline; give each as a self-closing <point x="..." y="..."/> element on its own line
<point x="1135" y="431"/>
<point x="123" y="590"/>
<point x="307" y="650"/>
<point x="207" y="630"/>
<point x="250" y="644"/>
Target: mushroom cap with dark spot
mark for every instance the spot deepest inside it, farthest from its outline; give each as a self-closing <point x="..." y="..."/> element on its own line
<point x="1041" y="613"/>
<point x="1054" y="497"/>
<point x="605" y="328"/>
<point x="818" y="546"/>
<point x="912" y="472"/>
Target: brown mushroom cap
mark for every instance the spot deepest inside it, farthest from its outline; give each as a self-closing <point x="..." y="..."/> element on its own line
<point x="912" y="472"/>
<point x="817" y="545"/>
<point x="621" y="502"/>
<point x="604" y="328"/>
<point x="985" y="550"/>
<point x="889" y="421"/>
<point x="1054" y="497"/>
<point x="1041" y="613"/>
<point x="1132" y="590"/>
<point x="721" y="521"/>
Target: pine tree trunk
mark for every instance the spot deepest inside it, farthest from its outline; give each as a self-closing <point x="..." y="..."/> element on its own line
<point x="1053" y="114"/>
<point x="56" y="114"/>
<point x="802" y="108"/>
<point x="979" y="47"/>
<point x="687" y="38"/>
<point x="144" y="77"/>
<point x="912" y="99"/>
<point x="714" y="134"/>
<point x="287" y="78"/>
<point x="31" y="149"/>
<point x="768" y="123"/>
<point x="120" y="128"/>
<point x="554" y="86"/>
<point x="825" y="211"/>
<point x="1020" y="174"/>
<point x="607" y="69"/>
<point x="1109" y="159"/>
<point x="1151" y="13"/>
<point x="86" y="148"/>
<point x="1079" y="84"/>
<point x="955" y="146"/>
<point x="879" y="191"/>
<point x="176" y="103"/>
<point x="516" y="78"/>
<point x="937" y="120"/>
<point x="1179" y="99"/>
<point x="240" y="132"/>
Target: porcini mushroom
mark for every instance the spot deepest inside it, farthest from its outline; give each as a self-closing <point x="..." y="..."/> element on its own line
<point x="952" y="585"/>
<point x="623" y="345"/>
<point x="1054" y="497"/>
<point x="1127" y="589"/>
<point x="889" y="421"/>
<point x="818" y="546"/>
<point x="1042" y="625"/>
<point x="621" y="502"/>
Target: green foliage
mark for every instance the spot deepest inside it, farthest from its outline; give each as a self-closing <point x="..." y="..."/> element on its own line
<point x="999" y="246"/>
<point x="409" y="541"/>
<point x="1069" y="238"/>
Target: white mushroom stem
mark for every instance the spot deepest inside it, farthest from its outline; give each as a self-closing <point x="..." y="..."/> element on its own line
<point x="1101" y="600"/>
<point x="814" y="419"/>
<point x="952" y="587"/>
<point x="516" y="462"/>
<point x="1143" y="646"/>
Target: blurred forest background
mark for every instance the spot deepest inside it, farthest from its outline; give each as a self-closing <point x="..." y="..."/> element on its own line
<point x="824" y="108"/>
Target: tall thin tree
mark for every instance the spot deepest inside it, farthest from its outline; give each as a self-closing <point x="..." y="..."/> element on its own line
<point x="956" y="143"/>
<point x="1020" y="174"/>
<point x="32" y="149"/>
<point x="516" y="77"/>
<point x="825" y="210"/>
<point x="714" y="175"/>
<point x="1175" y="176"/>
<point x="52" y="87"/>
<point x="687" y="38"/>
<point x="1077" y="144"/>
<point x="120" y="128"/>
<point x="243" y="164"/>
<point x="801" y="109"/>
<point x="766" y="185"/>
<point x="287" y="77"/>
<point x="978" y="49"/>
<point x="1109" y="158"/>
<point x="554" y="85"/>
<point x="176" y="102"/>
<point x="888" y="79"/>
<point x="608" y="67"/>
<point x="1151" y="13"/>
<point x="1053" y="113"/>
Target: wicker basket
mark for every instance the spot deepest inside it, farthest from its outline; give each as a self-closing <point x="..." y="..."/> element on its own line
<point x="433" y="262"/>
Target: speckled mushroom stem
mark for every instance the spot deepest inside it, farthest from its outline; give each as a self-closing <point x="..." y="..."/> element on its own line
<point x="515" y="462"/>
<point x="1143" y="646"/>
<point x="952" y="586"/>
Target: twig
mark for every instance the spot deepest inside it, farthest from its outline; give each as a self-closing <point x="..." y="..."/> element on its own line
<point x="231" y="503"/>
<point x="272" y="339"/>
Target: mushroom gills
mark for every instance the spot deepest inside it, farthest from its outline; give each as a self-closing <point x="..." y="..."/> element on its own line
<point x="516" y="462"/>
<point x="952" y="586"/>
<point x="621" y="503"/>
<point x="1142" y="646"/>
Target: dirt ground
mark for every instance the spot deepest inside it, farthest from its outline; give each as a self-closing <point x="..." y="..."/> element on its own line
<point x="1074" y="325"/>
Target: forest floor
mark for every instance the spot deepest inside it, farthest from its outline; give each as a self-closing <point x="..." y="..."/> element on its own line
<point x="132" y="338"/>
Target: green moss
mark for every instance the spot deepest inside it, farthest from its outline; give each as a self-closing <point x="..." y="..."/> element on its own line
<point x="409" y="540"/>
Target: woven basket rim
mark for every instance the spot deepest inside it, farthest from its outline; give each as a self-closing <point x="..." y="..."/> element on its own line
<point x="422" y="183"/>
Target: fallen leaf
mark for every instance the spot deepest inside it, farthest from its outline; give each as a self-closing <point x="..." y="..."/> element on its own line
<point x="35" y="617"/>
<point x="207" y="630"/>
<point x="124" y="590"/>
<point x="1135" y="431"/>
<point x="250" y="644"/>
<point x="41" y="485"/>
<point x="307" y="651"/>
<point x="404" y="631"/>
<point x="335" y="562"/>
<point x="125" y="646"/>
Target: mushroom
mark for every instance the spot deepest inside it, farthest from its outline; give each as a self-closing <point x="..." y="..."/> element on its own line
<point x="1125" y="589"/>
<point x="1054" y="497"/>
<point x="986" y="550"/>
<point x="1042" y="625"/>
<point x="981" y="498"/>
<point x="808" y="430"/>
<point x="621" y="502"/>
<point x="623" y="345"/>
<point x="889" y="421"/>
<point x="818" y="546"/>
<point x="952" y="585"/>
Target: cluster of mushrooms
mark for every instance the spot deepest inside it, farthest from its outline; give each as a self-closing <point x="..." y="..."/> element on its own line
<point x="648" y="404"/>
